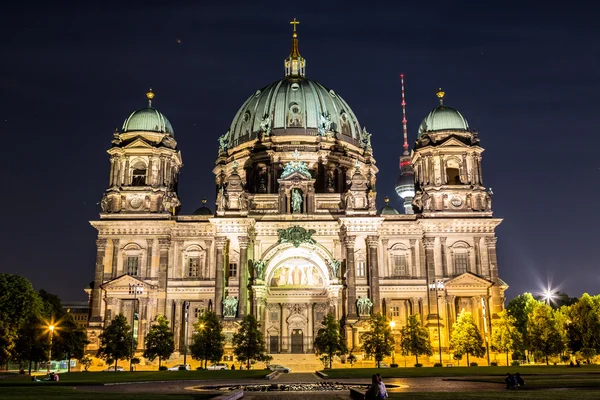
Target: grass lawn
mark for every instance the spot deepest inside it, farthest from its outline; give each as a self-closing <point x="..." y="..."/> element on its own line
<point x="68" y="393"/>
<point x="458" y="371"/>
<point x="97" y="378"/>
<point x="512" y="394"/>
<point x="587" y="381"/>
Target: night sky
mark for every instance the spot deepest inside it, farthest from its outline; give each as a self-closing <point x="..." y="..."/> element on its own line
<point x="526" y="77"/>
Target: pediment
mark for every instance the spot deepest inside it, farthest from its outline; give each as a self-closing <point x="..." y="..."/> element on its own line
<point x="453" y="142"/>
<point x="296" y="175"/>
<point x="468" y="280"/>
<point x="138" y="143"/>
<point x="123" y="282"/>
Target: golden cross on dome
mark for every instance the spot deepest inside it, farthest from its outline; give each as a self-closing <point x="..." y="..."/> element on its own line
<point x="294" y="22"/>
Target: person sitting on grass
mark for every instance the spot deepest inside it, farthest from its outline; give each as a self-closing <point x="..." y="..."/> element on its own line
<point x="373" y="392"/>
<point x="511" y="383"/>
<point x="520" y="381"/>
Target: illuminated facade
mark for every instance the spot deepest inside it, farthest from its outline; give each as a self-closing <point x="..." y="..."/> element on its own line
<point x="295" y="233"/>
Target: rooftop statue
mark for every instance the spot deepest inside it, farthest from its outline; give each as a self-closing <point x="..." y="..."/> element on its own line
<point x="334" y="267"/>
<point x="265" y="125"/>
<point x="365" y="138"/>
<point x="296" y="201"/>
<point x="230" y="306"/>
<point x="324" y="124"/>
<point x="295" y="166"/>
<point x="259" y="268"/>
<point x="223" y="142"/>
<point x="364" y="305"/>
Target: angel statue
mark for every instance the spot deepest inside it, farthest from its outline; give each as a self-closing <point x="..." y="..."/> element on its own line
<point x="259" y="268"/>
<point x="265" y="125"/>
<point x="334" y="265"/>
<point x="223" y="142"/>
<point x="366" y="138"/>
<point x="324" y="124"/>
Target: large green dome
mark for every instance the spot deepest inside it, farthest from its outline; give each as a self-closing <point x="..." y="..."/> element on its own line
<point x="443" y="118"/>
<point x="147" y="120"/>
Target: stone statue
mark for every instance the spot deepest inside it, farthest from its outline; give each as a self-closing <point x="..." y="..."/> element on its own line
<point x="324" y="124"/>
<point x="365" y="138"/>
<point x="230" y="306"/>
<point x="334" y="266"/>
<point x="364" y="305"/>
<point x="296" y="235"/>
<point x="295" y="166"/>
<point x="259" y="268"/>
<point x="221" y="200"/>
<point x="265" y="125"/>
<point x="104" y="203"/>
<point x="223" y="142"/>
<point x="243" y="201"/>
<point x="371" y="201"/>
<point x="349" y="200"/>
<point x="296" y="201"/>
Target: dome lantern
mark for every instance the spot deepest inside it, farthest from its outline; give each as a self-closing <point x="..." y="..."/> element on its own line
<point x="295" y="65"/>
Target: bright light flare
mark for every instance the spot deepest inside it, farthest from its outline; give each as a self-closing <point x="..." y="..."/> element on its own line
<point x="392" y="324"/>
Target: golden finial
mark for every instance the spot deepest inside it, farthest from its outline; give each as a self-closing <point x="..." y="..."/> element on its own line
<point x="440" y="94"/>
<point x="387" y="200"/>
<point x="294" y="23"/>
<point x="150" y="96"/>
<point x="204" y="200"/>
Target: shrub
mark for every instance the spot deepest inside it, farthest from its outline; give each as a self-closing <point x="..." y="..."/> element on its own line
<point x="438" y="365"/>
<point x="515" y="363"/>
<point x="393" y="365"/>
<point x="565" y="358"/>
<point x="474" y="364"/>
<point x="162" y="368"/>
<point x="200" y="369"/>
<point x="494" y="363"/>
<point x="418" y="365"/>
<point x="182" y="368"/>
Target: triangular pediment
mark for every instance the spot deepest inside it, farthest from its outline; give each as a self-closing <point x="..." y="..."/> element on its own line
<point x="123" y="282"/>
<point x="138" y="143"/>
<point x="296" y="175"/>
<point x="453" y="142"/>
<point x="467" y="280"/>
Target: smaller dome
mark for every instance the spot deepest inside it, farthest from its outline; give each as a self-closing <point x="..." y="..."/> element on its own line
<point x="147" y="120"/>
<point x="388" y="210"/>
<point x="443" y="118"/>
<point x="203" y="211"/>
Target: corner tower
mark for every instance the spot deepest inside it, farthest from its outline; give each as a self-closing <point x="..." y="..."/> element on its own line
<point x="447" y="166"/>
<point x="144" y="165"/>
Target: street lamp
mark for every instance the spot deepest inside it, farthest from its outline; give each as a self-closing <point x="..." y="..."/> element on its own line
<point x="51" y="329"/>
<point x="393" y="325"/>
<point x="186" y="306"/>
<point x="134" y="289"/>
<point x="438" y="284"/>
<point x="548" y="294"/>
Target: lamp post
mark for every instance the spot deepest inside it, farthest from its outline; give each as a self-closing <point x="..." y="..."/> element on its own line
<point x="436" y="285"/>
<point x="186" y="307"/>
<point x="134" y="289"/>
<point x="393" y="325"/>
<point x="51" y="329"/>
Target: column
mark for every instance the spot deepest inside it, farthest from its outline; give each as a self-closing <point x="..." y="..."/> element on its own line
<point x="496" y="303"/>
<point x="386" y="258"/>
<point x="430" y="274"/>
<point x="285" y="312"/>
<point x="243" y="276"/>
<point x="142" y="322"/>
<point x="413" y="258"/>
<point x="98" y="280"/>
<point x="479" y="173"/>
<point x="444" y="260"/>
<point x="150" y="243"/>
<point x="464" y="174"/>
<point x="423" y="266"/>
<point x="161" y="171"/>
<point x="349" y="242"/>
<point x="115" y="260"/>
<point x="443" y="176"/>
<point x="477" y="241"/>
<point x="126" y="180"/>
<point x="310" y="333"/>
<point x="111" y="176"/>
<point x="163" y="271"/>
<point x="220" y="243"/>
<point x="149" y="175"/>
<point x="372" y="243"/>
<point x="475" y="171"/>
<point x="177" y="324"/>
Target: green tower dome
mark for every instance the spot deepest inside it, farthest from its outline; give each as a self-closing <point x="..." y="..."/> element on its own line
<point x="443" y="118"/>
<point x="148" y="119"/>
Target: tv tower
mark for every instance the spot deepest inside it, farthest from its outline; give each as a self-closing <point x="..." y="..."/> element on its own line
<point x="405" y="185"/>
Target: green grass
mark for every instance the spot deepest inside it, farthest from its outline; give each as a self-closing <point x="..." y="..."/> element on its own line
<point x="98" y="378"/>
<point x="587" y="381"/>
<point x="512" y="394"/>
<point x="71" y="393"/>
<point x="457" y="371"/>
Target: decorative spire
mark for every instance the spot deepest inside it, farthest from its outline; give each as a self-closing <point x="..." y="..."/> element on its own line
<point x="150" y="96"/>
<point x="404" y="120"/>
<point x="440" y="94"/>
<point x="294" y="64"/>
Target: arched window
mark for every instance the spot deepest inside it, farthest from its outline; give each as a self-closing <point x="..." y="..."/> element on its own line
<point x="461" y="253"/>
<point x="399" y="261"/>
<point x="453" y="172"/>
<point x="139" y="174"/>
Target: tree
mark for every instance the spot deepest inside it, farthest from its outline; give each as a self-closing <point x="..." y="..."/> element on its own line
<point x="116" y="341"/>
<point x="379" y="340"/>
<point x="32" y="343"/>
<point x="87" y="362"/>
<point x="584" y="328"/>
<point x="544" y="332"/>
<point x="466" y="338"/>
<point x="19" y="302"/>
<point x="159" y="341"/>
<point x="521" y="308"/>
<point x="70" y="340"/>
<point x="329" y="341"/>
<point x="248" y="342"/>
<point x="208" y="342"/>
<point x="415" y="339"/>
<point x="505" y="336"/>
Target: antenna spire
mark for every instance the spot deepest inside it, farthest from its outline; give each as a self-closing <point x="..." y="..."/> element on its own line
<point x="404" y="120"/>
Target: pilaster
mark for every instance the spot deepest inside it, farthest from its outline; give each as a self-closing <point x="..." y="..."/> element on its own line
<point x="372" y="244"/>
<point x="220" y="243"/>
<point x="243" y="276"/>
<point x="96" y="316"/>
<point x="349" y="242"/>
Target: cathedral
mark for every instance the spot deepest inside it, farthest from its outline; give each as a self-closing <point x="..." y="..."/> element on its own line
<point x="295" y="232"/>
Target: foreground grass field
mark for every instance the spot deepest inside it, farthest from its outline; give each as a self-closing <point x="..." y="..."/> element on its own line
<point x="98" y="378"/>
<point x="70" y="393"/>
<point x="350" y="373"/>
<point x="529" y="395"/>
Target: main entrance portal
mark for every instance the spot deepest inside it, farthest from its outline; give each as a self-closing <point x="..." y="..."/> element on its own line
<point x="297" y="341"/>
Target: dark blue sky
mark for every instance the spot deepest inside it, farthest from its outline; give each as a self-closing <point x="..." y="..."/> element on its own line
<point x="526" y="76"/>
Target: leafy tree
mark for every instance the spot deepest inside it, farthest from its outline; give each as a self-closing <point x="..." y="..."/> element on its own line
<point x="379" y="340"/>
<point x="208" y="341"/>
<point x="248" y="342"/>
<point x="159" y="341"/>
<point x="583" y="328"/>
<point x="415" y="339"/>
<point x="116" y="341"/>
<point x="32" y="343"/>
<point x="544" y="332"/>
<point x="70" y="340"/>
<point x="329" y="341"/>
<point x="466" y="338"/>
<point x="52" y="307"/>
<point x="505" y="336"/>
<point x="521" y="308"/>
<point x="87" y="362"/>
<point x="19" y="302"/>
